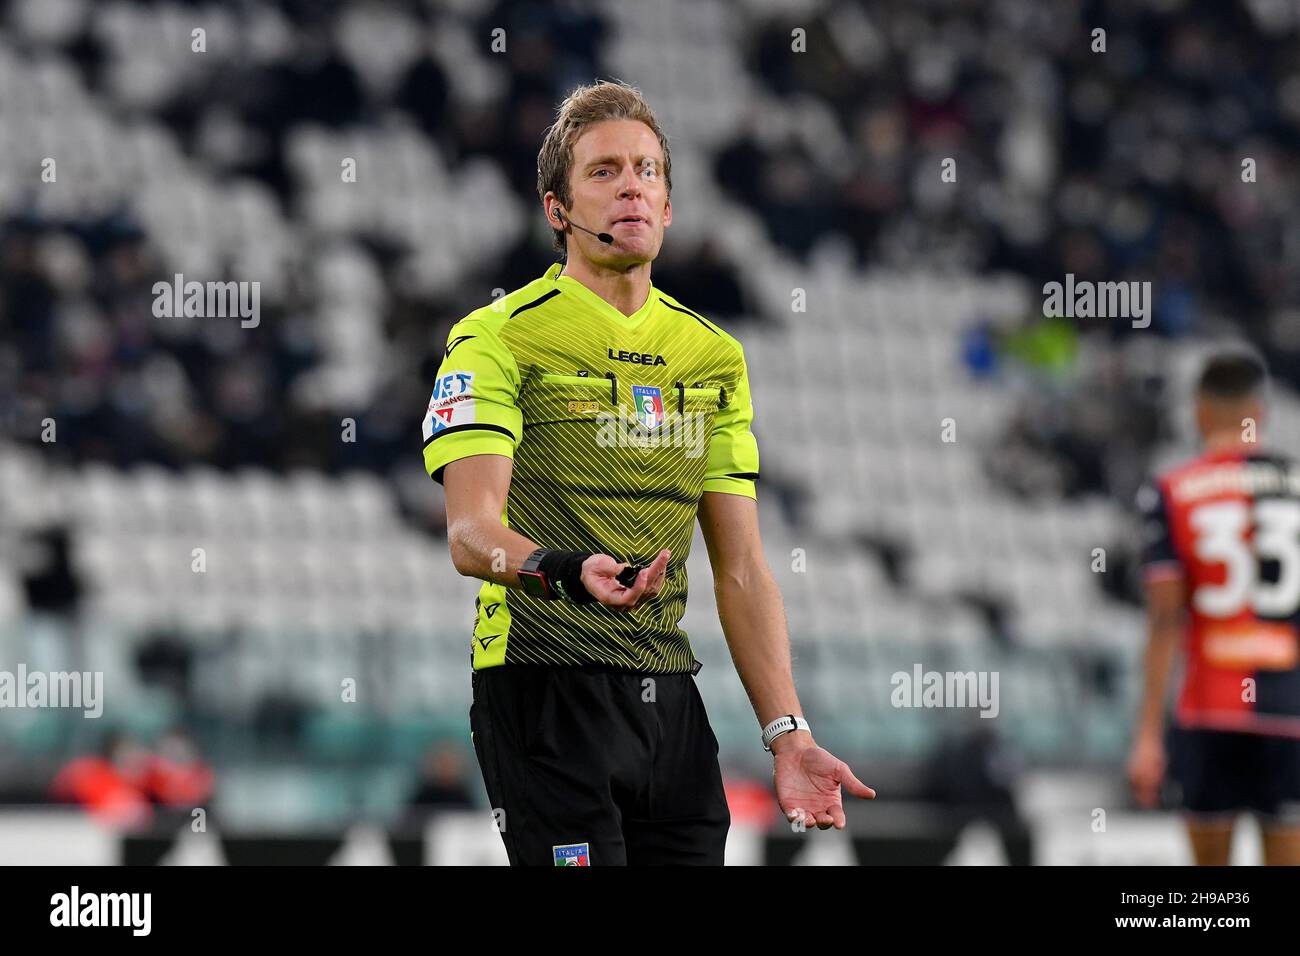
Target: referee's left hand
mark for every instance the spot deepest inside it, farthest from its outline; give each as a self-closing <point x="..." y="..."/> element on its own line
<point x="808" y="781"/>
<point x="600" y="575"/>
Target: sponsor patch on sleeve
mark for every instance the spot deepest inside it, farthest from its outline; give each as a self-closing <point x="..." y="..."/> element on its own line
<point x="452" y="402"/>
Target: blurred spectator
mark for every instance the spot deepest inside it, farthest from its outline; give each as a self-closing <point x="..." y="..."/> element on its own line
<point x="50" y="580"/>
<point x="107" y="784"/>
<point x="175" y="776"/>
<point x="752" y="804"/>
<point x="1116" y="166"/>
<point x="125" y="782"/>
<point x="974" y="775"/>
<point x="704" y="280"/>
<point x="442" y="783"/>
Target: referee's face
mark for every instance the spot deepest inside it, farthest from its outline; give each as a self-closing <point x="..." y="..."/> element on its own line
<point x="618" y="186"/>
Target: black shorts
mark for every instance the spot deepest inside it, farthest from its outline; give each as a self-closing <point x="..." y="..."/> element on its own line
<point x="1223" y="771"/>
<point x="593" y="766"/>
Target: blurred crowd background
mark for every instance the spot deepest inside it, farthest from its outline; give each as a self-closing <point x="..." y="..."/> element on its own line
<point x="808" y="139"/>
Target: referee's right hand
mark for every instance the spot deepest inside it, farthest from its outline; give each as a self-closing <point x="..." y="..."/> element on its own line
<point x="600" y="575"/>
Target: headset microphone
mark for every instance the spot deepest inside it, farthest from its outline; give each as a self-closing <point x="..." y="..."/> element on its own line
<point x="602" y="236"/>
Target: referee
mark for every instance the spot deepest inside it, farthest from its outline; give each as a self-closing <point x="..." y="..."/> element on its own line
<point x="579" y="426"/>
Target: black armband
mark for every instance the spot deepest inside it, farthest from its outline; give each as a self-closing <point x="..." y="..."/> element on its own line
<point x="554" y="575"/>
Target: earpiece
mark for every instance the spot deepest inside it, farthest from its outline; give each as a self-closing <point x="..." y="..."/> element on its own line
<point x="604" y="237"/>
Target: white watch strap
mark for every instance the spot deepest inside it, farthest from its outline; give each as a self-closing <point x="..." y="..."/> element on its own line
<point x="782" y="725"/>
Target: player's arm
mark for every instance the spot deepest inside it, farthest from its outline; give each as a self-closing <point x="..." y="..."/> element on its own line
<point x="1165" y="599"/>
<point x="1164" y="582"/>
<point x="1166" y="602"/>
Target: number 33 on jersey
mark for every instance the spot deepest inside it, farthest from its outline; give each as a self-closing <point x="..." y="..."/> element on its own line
<point x="1229" y="526"/>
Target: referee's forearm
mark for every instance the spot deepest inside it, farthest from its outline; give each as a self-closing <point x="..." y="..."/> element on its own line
<point x="488" y="550"/>
<point x="753" y="621"/>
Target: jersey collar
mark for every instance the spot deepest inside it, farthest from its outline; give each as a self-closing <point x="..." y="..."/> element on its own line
<point x="574" y="287"/>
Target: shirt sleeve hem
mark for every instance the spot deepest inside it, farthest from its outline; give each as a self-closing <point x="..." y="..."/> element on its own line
<point x="439" y="454"/>
<point x="732" y="486"/>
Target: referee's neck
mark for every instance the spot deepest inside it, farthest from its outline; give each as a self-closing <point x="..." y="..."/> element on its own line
<point x="626" y="289"/>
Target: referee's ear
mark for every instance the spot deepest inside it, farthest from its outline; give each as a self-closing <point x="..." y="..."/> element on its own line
<point x="555" y="216"/>
<point x="558" y="222"/>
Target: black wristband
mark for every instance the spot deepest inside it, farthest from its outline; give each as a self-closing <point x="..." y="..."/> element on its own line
<point x="563" y="570"/>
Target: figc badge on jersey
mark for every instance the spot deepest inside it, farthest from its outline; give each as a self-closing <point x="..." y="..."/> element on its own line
<point x="649" y="405"/>
<point x="573" y="854"/>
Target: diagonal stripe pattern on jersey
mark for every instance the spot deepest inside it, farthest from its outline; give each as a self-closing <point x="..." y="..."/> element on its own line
<point x="617" y="425"/>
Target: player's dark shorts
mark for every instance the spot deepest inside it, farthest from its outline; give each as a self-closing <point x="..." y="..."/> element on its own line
<point x="597" y="766"/>
<point x="1222" y="771"/>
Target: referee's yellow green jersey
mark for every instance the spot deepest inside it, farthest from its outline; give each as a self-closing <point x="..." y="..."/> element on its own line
<point x="616" y="424"/>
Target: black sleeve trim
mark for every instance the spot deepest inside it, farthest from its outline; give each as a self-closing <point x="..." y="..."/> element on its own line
<point x="750" y="475"/>
<point x="697" y="318"/>
<point x="436" y="475"/>
<point x="469" y="426"/>
<point x="535" y="303"/>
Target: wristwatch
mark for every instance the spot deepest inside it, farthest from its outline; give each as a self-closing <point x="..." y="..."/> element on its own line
<point x="552" y="575"/>
<point x="533" y="580"/>
<point x="782" y="725"/>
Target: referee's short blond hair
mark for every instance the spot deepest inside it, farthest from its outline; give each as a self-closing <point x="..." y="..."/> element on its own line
<point x="582" y="108"/>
